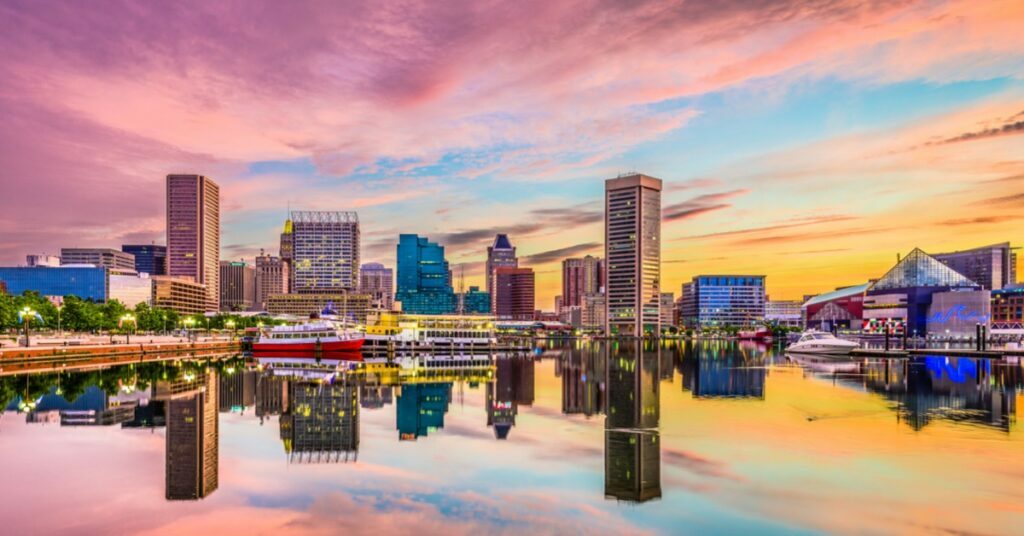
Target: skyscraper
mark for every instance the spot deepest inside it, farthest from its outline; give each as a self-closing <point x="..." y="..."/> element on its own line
<point x="632" y="445"/>
<point x="580" y="277"/>
<point x="379" y="283"/>
<point x="193" y="232"/>
<point x="632" y="233"/>
<point x="501" y="254"/>
<point x="424" y="284"/>
<point x="287" y="252"/>
<point x="326" y="251"/>
<point x="237" y="286"/>
<point x="192" y="451"/>
<point x="149" y="259"/>
<point x="271" y="278"/>
<point x="514" y="293"/>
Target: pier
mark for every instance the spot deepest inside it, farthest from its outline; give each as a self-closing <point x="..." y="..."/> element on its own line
<point x="21" y="360"/>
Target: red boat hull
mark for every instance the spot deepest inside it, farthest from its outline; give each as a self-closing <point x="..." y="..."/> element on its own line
<point x="353" y="345"/>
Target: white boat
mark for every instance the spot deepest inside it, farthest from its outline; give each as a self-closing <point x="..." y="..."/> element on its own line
<point x="821" y="342"/>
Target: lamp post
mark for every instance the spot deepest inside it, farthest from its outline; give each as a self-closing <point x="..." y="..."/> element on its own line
<point x="230" y="324"/>
<point x="164" y="315"/>
<point x="26" y="315"/>
<point x="189" y="322"/>
<point x="125" y="318"/>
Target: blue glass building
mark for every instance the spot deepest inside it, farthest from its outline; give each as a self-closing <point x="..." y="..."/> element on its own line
<point x="424" y="282"/>
<point x="723" y="301"/>
<point x="476" y="301"/>
<point x="88" y="283"/>
<point x="149" y="258"/>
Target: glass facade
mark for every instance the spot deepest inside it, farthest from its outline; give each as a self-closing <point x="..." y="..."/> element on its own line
<point x="424" y="284"/>
<point x="88" y="283"/>
<point x="633" y="253"/>
<point x="918" y="269"/>
<point x="476" y="301"/>
<point x="149" y="259"/>
<point x="726" y="300"/>
<point x="193" y="233"/>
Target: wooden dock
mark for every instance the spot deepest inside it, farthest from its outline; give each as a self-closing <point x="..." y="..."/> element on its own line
<point x="22" y="360"/>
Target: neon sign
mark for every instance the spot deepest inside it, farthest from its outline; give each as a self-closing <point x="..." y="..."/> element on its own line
<point x="959" y="313"/>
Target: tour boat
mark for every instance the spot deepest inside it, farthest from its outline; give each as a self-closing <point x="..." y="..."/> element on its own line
<point x="760" y="334"/>
<point x="821" y="342"/>
<point x="308" y="337"/>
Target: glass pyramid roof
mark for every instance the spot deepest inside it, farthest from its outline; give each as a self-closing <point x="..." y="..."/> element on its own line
<point x="918" y="269"/>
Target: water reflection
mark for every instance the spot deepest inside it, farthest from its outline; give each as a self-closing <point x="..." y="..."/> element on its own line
<point x="331" y="412"/>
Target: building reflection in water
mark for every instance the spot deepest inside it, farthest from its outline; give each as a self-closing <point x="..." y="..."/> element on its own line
<point x="582" y="371"/>
<point x="192" y="453"/>
<point x="420" y="409"/>
<point x="513" y="386"/>
<point x="957" y="389"/>
<point x="720" y="371"/>
<point x="632" y="444"/>
<point x="321" y="422"/>
<point x="237" y="390"/>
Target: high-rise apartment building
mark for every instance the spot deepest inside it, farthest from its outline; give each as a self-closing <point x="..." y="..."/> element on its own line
<point x="633" y="254"/>
<point x="149" y="259"/>
<point x="668" y="303"/>
<point x="424" y="281"/>
<point x="237" y="286"/>
<point x="105" y="257"/>
<point x="500" y="254"/>
<point x="193" y="233"/>
<point x="379" y="283"/>
<point x="271" y="278"/>
<point x="514" y="293"/>
<point x="580" y="277"/>
<point x="325" y="251"/>
<point x="993" y="267"/>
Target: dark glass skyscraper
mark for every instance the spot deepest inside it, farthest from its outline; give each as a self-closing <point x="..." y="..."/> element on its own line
<point x="150" y="259"/>
<point x="501" y="254"/>
<point x="424" y="286"/>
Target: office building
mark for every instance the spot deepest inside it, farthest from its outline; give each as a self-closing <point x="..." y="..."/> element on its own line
<point x="287" y="252"/>
<point x="719" y="301"/>
<point x="86" y="282"/>
<point x="43" y="259"/>
<point x="271" y="278"/>
<point x="900" y="301"/>
<point x="993" y="267"/>
<point x="474" y="302"/>
<point x="424" y="281"/>
<point x="580" y="277"/>
<point x="181" y="295"/>
<point x="130" y="289"/>
<point x="633" y="254"/>
<point x="632" y="442"/>
<point x="354" y="307"/>
<point x="193" y="233"/>
<point x="325" y="252"/>
<point x="593" y="311"/>
<point x="149" y="258"/>
<point x="379" y="283"/>
<point x="193" y="436"/>
<point x="107" y="258"/>
<point x="514" y="293"/>
<point x="784" y="313"/>
<point x="237" y="286"/>
<point x="500" y="254"/>
<point x="668" y="304"/>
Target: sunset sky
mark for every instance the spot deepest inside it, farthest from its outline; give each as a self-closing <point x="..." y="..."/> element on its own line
<point x="807" y="141"/>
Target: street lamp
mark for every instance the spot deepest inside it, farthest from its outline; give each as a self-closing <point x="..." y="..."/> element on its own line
<point x="230" y="324"/>
<point x="189" y="322"/>
<point x="25" y="316"/>
<point x="127" y="317"/>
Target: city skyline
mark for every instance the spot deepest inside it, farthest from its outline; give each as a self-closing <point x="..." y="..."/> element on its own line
<point x="804" y="150"/>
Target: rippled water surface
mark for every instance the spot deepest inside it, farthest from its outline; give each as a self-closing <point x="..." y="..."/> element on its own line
<point x="583" y="437"/>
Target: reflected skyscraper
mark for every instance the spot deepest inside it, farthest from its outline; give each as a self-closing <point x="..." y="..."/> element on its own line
<point x="237" y="390"/>
<point x="421" y="409"/>
<point x="583" y="374"/>
<point x="192" y="453"/>
<point x="271" y="395"/>
<point x="721" y="373"/>
<point x="632" y="443"/>
<point x="513" y="385"/>
<point x="323" y="422"/>
<point x="375" y="396"/>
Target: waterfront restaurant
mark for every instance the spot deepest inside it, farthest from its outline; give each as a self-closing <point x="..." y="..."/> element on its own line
<point x="924" y="297"/>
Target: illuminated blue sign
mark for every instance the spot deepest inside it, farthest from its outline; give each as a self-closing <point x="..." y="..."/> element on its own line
<point x="959" y="313"/>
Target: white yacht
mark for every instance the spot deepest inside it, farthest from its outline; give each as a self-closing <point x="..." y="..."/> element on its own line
<point x="821" y="342"/>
